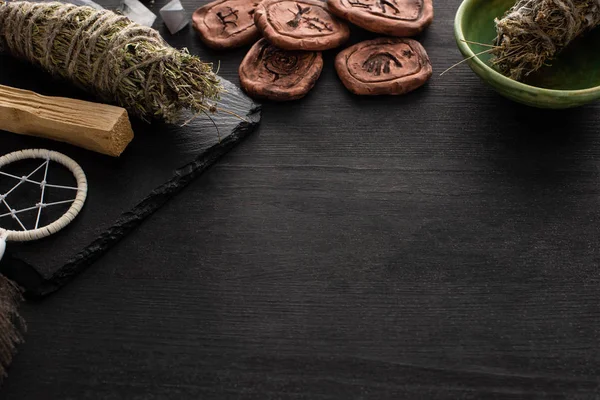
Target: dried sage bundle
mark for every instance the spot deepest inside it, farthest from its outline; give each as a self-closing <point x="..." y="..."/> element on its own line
<point x="533" y="32"/>
<point x="105" y="53"/>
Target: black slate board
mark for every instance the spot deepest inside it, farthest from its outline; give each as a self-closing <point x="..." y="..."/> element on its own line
<point x="122" y="191"/>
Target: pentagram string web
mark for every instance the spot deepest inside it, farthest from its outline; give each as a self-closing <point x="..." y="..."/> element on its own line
<point x="42" y="204"/>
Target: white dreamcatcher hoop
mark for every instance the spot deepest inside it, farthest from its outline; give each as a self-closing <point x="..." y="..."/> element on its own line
<point x="39" y="232"/>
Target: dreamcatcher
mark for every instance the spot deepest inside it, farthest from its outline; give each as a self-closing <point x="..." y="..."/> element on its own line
<point x="38" y="226"/>
<point x="30" y="222"/>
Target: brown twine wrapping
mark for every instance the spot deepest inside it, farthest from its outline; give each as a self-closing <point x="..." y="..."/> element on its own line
<point x="533" y="32"/>
<point x="11" y="324"/>
<point x="110" y="56"/>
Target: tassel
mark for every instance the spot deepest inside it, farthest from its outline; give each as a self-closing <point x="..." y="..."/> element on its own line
<point x="12" y="326"/>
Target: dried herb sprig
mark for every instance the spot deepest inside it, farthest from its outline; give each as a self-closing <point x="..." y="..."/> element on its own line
<point x="533" y="32"/>
<point x="107" y="54"/>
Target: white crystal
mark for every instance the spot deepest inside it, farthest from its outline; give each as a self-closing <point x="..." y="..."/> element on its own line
<point x="137" y="12"/>
<point x="174" y="16"/>
<point x="2" y="246"/>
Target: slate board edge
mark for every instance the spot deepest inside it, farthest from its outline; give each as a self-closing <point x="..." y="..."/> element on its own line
<point x="35" y="286"/>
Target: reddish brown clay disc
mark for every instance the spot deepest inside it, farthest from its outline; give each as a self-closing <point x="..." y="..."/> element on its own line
<point x="272" y="73"/>
<point x="390" y="66"/>
<point x="300" y="25"/>
<point x="389" y="17"/>
<point x="225" y="24"/>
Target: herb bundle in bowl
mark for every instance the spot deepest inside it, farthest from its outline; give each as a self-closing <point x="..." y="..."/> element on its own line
<point x="541" y="53"/>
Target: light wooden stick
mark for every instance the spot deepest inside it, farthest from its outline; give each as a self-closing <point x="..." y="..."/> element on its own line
<point x="98" y="127"/>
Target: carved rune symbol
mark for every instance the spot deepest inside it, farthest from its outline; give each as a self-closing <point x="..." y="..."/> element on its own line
<point x="311" y="22"/>
<point x="230" y="18"/>
<point x="251" y="12"/>
<point x="359" y="4"/>
<point x="391" y="4"/>
<point x="316" y="23"/>
<point x="383" y="5"/>
<point x="380" y="63"/>
<point x="278" y="62"/>
<point x="298" y="16"/>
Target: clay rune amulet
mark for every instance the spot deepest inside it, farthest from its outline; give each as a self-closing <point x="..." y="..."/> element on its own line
<point x="389" y="17"/>
<point x="390" y="66"/>
<point x="225" y="24"/>
<point x="300" y="25"/>
<point x="269" y="72"/>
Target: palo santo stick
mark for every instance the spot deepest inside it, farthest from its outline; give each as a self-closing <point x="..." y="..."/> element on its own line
<point x="98" y="127"/>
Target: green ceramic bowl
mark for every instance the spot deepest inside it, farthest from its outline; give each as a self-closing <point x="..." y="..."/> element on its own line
<point x="572" y="80"/>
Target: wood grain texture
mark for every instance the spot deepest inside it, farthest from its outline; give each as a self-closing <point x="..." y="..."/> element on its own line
<point x="93" y="126"/>
<point x="441" y="245"/>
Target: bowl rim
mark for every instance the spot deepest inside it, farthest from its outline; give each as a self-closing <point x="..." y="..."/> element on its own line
<point x="497" y="76"/>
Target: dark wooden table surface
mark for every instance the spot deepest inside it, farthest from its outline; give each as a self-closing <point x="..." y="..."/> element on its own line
<point x="443" y="244"/>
